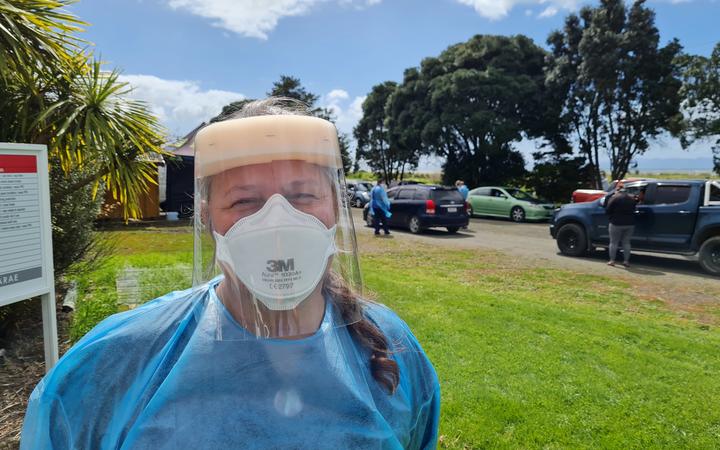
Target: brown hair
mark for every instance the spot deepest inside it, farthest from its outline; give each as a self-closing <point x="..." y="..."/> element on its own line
<point x="384" y="370"/>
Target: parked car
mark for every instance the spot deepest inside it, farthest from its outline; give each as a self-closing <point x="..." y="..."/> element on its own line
<point x="679" y="217"/>
<point x="513" y="203"/>
<point x="358" y="193"/>
<point x="589" y="195"/>
<point x="421" y="206"/>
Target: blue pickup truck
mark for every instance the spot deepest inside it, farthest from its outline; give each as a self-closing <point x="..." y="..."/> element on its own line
<point x="680" y="217"/>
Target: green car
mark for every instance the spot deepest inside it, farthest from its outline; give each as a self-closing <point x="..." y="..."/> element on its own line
<point x="514" y="203"/>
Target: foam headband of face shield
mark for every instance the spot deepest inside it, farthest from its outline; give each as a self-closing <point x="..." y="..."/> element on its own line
<point x="263" y="139"/>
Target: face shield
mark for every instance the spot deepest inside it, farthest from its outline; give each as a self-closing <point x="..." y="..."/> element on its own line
<point x="273" y="230"/>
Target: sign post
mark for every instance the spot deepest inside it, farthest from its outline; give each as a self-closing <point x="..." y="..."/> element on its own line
<point x="26" y="264"/>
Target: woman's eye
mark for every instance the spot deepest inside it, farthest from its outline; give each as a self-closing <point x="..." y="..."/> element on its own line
<point x="303" y="196"/>
<point x="245" y="202"/>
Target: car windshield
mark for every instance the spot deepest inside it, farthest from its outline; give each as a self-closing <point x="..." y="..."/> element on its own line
<point x="522" y="195"/>
<point x="361" y="188"/>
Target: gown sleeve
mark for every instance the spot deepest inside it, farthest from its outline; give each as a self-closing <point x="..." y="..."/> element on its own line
<point x="80" y="402"/>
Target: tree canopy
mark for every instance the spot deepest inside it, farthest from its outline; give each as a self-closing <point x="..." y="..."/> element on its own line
<point x="620" y="87"/>
<point x="381" y="146"/>
<point x="480" y="97"/>
<point x="701" y="94"/>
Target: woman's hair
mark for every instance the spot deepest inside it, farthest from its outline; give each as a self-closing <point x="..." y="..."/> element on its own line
<point x="383" y="368"/>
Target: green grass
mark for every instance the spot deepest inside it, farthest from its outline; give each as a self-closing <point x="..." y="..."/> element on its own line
<point x="164" y="260"/>
<point x="527" y="357"/>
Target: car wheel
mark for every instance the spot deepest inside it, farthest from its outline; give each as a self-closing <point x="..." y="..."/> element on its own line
<point x="517" y="214"/>
<point x="709" y="255"/>
<point x="571" y="240"/>
<point x="414" y="225"/>
<point x="357" y="203"/>
<point x="453" y="230"/>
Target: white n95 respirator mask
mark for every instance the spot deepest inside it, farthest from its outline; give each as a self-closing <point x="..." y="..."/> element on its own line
<point x="279" y="253"/>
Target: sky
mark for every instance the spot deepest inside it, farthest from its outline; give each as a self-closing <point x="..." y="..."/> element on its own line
<point x="188" y="58"/>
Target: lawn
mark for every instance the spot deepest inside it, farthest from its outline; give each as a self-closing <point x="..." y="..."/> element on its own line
<point x="527" y="357"/>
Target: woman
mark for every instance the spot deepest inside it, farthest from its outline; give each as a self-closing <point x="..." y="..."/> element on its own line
<point x="277" y="351"/>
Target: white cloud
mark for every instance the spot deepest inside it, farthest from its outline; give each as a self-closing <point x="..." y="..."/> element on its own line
<point x="180" y="105"/>
<point x="497" y="9"/>
<point x="550" y="11"/>
<point x="348" y="112"/>
<point x="338" y="94"/>
<point x="254" y="18"/>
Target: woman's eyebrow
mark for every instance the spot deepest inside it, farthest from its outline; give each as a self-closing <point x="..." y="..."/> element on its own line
<point x="301" y="183"/>
<point x="243" y="187"/>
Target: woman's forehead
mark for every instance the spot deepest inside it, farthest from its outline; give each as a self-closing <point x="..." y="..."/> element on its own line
<point x="271" y="175"/>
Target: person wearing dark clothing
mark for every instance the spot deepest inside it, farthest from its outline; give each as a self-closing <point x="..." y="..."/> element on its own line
<point x="621" y="213"/>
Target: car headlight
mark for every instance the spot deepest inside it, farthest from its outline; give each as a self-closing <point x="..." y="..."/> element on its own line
<point x="365" y="195"/>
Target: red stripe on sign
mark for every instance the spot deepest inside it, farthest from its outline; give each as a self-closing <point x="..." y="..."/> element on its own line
<point x="18" y="164"/>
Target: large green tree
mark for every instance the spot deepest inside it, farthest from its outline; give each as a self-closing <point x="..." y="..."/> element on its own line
<point x="480" y="97"/>
<point x="621" y="87"/>
<point x="701" y="100"/>
<point x="385" y="151"/>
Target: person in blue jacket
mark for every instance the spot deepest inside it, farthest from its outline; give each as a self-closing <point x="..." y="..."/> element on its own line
<point x="380" y="207"/>
<point x="272" y="347"/>
<point x="462" y="188"/>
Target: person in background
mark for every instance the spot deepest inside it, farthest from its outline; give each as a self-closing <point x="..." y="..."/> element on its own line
<point x="463" y="189"/>
<point x="380" y="207"/>
<point x="620" y="208"/>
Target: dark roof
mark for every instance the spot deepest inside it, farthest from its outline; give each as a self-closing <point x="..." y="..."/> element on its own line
<point x="184" y="147"/>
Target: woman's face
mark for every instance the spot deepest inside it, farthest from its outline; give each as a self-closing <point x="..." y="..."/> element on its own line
<point x="242" y="191"/>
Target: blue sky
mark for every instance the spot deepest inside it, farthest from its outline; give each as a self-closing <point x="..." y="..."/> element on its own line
<point x="188" y="58"/>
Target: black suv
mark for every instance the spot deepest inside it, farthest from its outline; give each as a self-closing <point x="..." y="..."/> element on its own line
<point x="419" y="206"/>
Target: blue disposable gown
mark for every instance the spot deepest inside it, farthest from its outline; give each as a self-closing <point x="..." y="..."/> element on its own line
<point x="180" y="373"/>
<point x="379" y="200"/>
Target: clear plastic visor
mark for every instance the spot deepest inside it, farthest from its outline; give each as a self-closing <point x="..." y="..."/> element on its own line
<point x="276" y="243"/>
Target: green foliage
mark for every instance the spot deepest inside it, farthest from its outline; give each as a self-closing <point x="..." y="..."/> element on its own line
<point x="555" y="176"/>
<point x="291" y="87"/>
<point x="469" y="104"/>
<point x="76" y="247"/>
<point x="620" y="88"/>
<point x="34" y="32"/>
<point x="701" y="93"/>
<point x="377" y="143"/>
<point x="163" y="258"/>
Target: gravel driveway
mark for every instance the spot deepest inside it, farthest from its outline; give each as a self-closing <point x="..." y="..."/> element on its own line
<point x="663" y="277"/>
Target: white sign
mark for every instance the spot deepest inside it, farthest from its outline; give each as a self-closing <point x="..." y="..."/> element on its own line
<point x="26" y="266"/>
